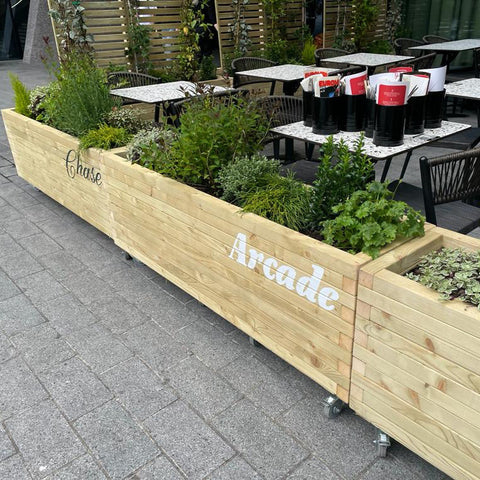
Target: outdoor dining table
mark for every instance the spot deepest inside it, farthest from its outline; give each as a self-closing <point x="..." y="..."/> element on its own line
<point x="468" y="89"/>
<point x="289" y="74"/>
<point x="453" y="46"/>
<point x="369" y="60"/>
<point x="298" y="131"/>
<point x="160" y="93"/>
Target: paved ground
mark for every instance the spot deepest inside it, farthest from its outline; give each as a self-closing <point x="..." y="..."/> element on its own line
<point x="109" y="371"/>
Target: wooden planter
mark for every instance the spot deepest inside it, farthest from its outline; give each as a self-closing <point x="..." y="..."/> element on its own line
<point x="49" y="160"/>
<point x="416" y="365"/>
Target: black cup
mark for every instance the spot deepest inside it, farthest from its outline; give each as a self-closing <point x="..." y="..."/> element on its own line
<point x="415" y="116"/>
<point x="369" y="117"/>
<point x="434" y="109"/>
<point x="389" y="125"/>
<point x="307" y="108"/>
<point x="353" y="113"/>
<point x="326" y="115"/>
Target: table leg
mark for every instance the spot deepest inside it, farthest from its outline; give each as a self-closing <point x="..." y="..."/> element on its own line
<point x="157" y="113"/>
<point x="289" y="88"/>
<point x="405" y="164"/>
<point x="386" y="167"/>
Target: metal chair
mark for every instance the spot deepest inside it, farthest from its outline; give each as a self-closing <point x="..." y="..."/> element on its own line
<point x="251" y="63"/>
<point x="402" y="46"/>
<point x="425" y="61"/>
<point x="476" y="62"/>
<point x="322" y="54"/>
<point x="130" y="79"/>
<point x="447" y="183"/>
<point x="434" y="39"/>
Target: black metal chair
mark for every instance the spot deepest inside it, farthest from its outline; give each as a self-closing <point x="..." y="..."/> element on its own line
<point x="251" y="63"/>
<point x="447" y="183"/>
<point x="425" y="61"/>
<point x="322" y="54"/>
<point x="434" y="39"/>
<point x="130" y="79"/>
<point x="403" y="46"/>
<point x="476" y="62"/>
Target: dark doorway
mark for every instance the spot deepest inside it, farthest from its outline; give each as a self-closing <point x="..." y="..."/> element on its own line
<point x="13" y="28"/>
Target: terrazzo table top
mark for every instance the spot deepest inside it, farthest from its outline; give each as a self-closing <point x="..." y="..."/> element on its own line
<point x="469" y="88"/>
<point x="282" y="73"/>
<point x="161" y="92"/>
<point x="299" y="131"/>
<point x="455" y="45"/>
<point x="369" y="59"/>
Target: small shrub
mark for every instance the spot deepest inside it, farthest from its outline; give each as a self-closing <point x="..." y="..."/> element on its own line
<point x="453" y="272"/>
<point x="37" y="99"/>
<point x="308" y="52"/>
<point x="208" y="70"/>
<point x="245" y="174"/>
<point x="371" y="219"/>
<point x="284" y="200"/>
<point x="105" y="137"/>
<point x="126" y="118"/>
<point x="22" y="95"/>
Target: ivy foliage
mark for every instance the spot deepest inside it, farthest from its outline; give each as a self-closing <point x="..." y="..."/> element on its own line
<point x="453" y="272"/>
<point x="370" y="219"/>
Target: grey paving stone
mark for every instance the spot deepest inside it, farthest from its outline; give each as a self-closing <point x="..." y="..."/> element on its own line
<point x="18" y="314"/>
<point x="41" y="287"/>
<point x="345" y="443"/>
<point x="8" y="213"/>
<point x="67" y="237"/>
<point x="201" y="387"/>
<point x="263" y="444"/>
<point x="314" y="469"/>
<point x="74" y="387"/>
<point x="66" y="314"/>
<point x="21" y="228"/>
<point x="38" y="213"/>
<point x="6" y="446"/>
<point x="211" y="317"/>
<point x="188" y="440"/>
<point x="9" y="246"/>
<point x="10" y="189"/>
<point x="13" y="468"/>
<point x="7" y="350"/>
<point x="8" y="171"/>
<point x="56" y="227"/>
<point x="19" y="265"/>
<point x="87" y="286"/>
<point x="159" y="469"/>
<point x="209" y="344"/>
<point x="117" y="314"/>
<point x="83" y="468"/>
<point x="39" y="244"/>
<point x="7" y="288"/>
<point x="155" y="346"/>
<point x="173" y="290"/>
<point x="20" y="389"/>
<point x="139" y="389"/>
<point x="116" y="440"/>
<point x="21" y="199"/>
<point x="42" y="347"/>
<point x="304" y="383"/>
<point x="100" y="260"/>
<point x="98" y="347"/>
<point x="235" y="469"/>
<point x="44" y="439"/>
<point x="61" y="264"/>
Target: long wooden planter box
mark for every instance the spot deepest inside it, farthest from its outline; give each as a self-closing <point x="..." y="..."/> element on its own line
<point x="416" y="365"/>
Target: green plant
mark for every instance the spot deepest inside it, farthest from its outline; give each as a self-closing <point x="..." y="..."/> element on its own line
<point x="340" y="173"/>
<point x="105" y="137"/>
<point x="239" y="28"/>
<point x="453" y="272"/>
<point x="81" y="99"/>
<point x="365" y="14"/>
<point x="284" y="200"/>
<point x="379" y="46"/>
<point x="208" y="70"/>
<point x="125" y="118"/>
<point x="371" y="219"/>
<point x="245" y="174"/>
<point x="37" y="98"/>
<point x="308" y="52"/>
<point x="21" y="94"/>
<point x="138" y="50"/>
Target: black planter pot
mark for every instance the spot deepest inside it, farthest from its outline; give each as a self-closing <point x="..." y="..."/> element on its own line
<point x="389" y="125"/>
<point x="434" y="109"/>
<point x="326" y="115"/>
<point x="415" y="116"/>
<point x="307" y="108"/>
<point x="369" y="117"/>
<point x="353" y="113"/>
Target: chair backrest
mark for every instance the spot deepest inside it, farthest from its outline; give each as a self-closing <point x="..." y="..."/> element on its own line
<point x="321" y="54"/>
<point x="348" y="70"/>
<point x="402" y="46"/>
<point x="281" y="109"/>
<point x="131" y="79"/>
<point x="476" y="62"/>
<point x="449" y="178"/>
<point x="250" y="63"/>
<point x="434" y="39"/>
<point x="425" y="61"/>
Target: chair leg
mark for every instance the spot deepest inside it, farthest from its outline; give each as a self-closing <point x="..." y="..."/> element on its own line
<point x="289" y="151"/>
<point x="272" y="88"/>
<point x="276" y="148"/>
<point x="309" y="148"/>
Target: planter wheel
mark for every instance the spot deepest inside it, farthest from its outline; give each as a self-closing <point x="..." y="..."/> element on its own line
<point x="382" y="442"/>
<point x="128" y="256"/>
<point x="253" y="342"/>
<point x="332" y="406"/>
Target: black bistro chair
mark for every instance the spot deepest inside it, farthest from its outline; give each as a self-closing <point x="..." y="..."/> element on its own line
<point x="251" y="63"/>
<point x="130" y="79"/>
<point x="449" y="184"/>
<point x="323" y="54"/>
<point x="403" y="46"/>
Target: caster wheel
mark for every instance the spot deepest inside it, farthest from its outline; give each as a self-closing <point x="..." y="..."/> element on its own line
<point x="128" y="256"/>
<point x="253" y="342"/>
<point x="332" y="406"/>
<point x="382" y="442"/>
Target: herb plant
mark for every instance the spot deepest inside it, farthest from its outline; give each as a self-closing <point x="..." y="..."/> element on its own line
<point x="105" y="137"/>
<point x="126" y="118"/>
<point x="22" y="96"/>
<point x="371" y="219"/>
<point x="453" y="272"/>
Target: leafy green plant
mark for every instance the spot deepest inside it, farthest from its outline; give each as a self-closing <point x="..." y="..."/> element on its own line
<point x="126" y="118"/>
<point x="339" y="174"/>
<point x="453" y="272"/>
<point x="308" y="52"/>
<point x="239" y="28"/>
<point x="365" y="14"/>
<point x="371" y="219"/>
<point x="284" y="200"/>
<point x="138" y="50"/>
<point x="245" y="174"/>
<point x="208" y="70"/>
<point x="21" y="95"/>
<point x="81" y="99"/>
<point x="105" y="137"/>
